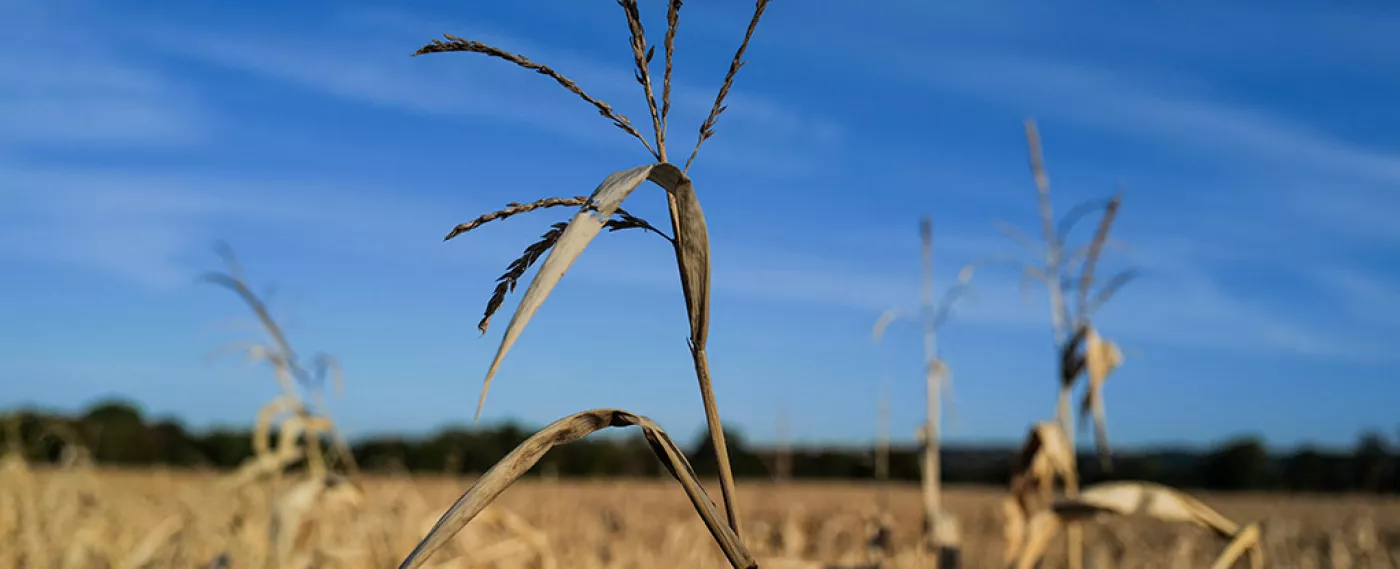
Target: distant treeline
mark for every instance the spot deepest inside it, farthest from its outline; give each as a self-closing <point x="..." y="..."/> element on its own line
<point x="117" y="434"/>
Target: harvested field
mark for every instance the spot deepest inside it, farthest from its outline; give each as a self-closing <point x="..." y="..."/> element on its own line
<point x="116" y="518"/>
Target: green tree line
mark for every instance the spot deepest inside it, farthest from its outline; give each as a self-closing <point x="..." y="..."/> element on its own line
<point x="118" y="434"/>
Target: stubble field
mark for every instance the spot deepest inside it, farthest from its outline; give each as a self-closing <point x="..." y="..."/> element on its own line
<point x="116" y="518"/>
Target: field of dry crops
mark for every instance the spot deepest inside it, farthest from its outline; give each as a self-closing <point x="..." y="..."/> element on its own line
<point x="111" y="518"/>
<point x="261" y="516"/>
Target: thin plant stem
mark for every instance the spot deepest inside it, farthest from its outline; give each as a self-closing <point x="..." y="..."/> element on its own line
<point x="727" y="489"/>
<point x="931" y="470"/>
<point x="882" y="448"/>
<point x="1074" y="537"/>
<point x="726" y="474"/>
<point x="782" y="459"/>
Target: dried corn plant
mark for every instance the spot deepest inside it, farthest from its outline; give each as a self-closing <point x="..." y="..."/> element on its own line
<point x="1045" y="457"/>
<point x="295" y="378"/>
<point x="565" y="241"/>
<point x="1125" y="498"/>
<point x="1079" y="345"/>
<point x="295" y="420"/>
<point x="939" y="527"/>
<point x="1048" y="453"/>
<point x="1060" y="267"/>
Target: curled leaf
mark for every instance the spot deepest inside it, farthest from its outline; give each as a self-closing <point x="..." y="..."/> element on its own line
<point x="693" y="242"/>
<point x="564" y="431"/>
<point x="1078" y="213"/>
<point x="1110" y="288"/>
<point x="1140" y="498"/>
<point x="889" y="316"/>
<point x="234" y="283"/>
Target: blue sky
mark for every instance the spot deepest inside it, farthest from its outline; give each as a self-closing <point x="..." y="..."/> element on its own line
<point x="1259" y="152"/>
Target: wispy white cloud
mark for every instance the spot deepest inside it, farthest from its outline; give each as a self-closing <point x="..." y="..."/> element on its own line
<point x="134" y="250"/>
<point x="155" y="230"/>
<point x="1133" y="104"/>
<point x="164" y="222"/>
<point x="1311" y="186"/>
<point x="374" y="69"/>
<point x="691" y="100"/>
<point x="373" y="73"/>
<point x="1365" y="297"/>
<point x="85" y="93"/>
<point x="1368" y="214"/>
<point x="1175" y="309"/>
<point x="1178" y="304"/>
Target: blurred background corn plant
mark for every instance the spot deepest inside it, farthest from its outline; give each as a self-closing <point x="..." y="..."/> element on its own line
<point x="940" y="529"/>
<point x="301" y="427"/>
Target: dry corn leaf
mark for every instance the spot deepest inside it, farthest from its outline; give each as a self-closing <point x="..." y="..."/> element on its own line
<point x="1127" y="498"/>
<point x="1038" y="533"/>
<point x="1101" y="357"/>
<point x="1247" y="540"/>
<point x="692" y="241"/>
<point x="564" y="431"/>
<point x="1044" y="456"/>
<point x="1141" y="498"/>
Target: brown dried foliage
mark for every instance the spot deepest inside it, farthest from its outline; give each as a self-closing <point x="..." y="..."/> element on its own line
<point x="673" y="22"/>
<point x="567" y="241"/>
<point x="642" y="58"/>
<point x="707" y="129"/>
<point x="505" y="284"/>
<point x="1129" y="498"/>
<point x="288" y="370"/>
<point x="454" y="43"/>
<point x="514" y="208"/>
<point x="569" y="429"/>
<point x="1070" y="331"/>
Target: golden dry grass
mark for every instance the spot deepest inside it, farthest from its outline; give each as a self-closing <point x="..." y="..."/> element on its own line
<point x="186" y="519"/>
